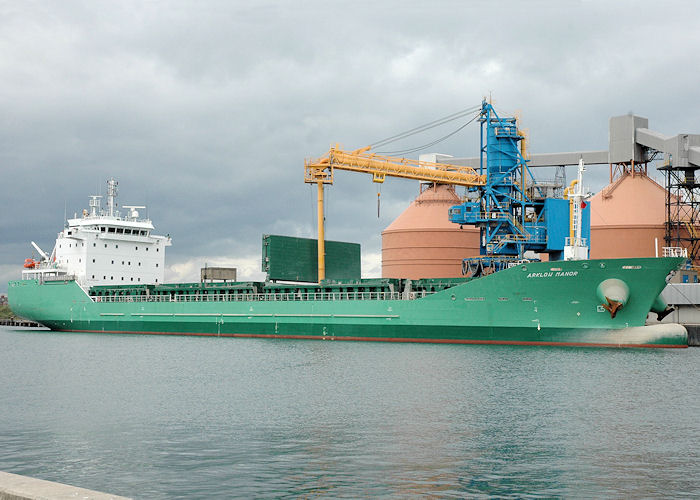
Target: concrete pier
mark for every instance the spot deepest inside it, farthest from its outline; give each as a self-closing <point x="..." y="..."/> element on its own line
<point x="20" y="322"/>
<point x="693" y="335"/>
<point x="15" y="487"/>
<point x="685" y="299"/>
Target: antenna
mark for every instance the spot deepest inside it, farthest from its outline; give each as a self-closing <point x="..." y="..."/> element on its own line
<point x="95" y="205"/>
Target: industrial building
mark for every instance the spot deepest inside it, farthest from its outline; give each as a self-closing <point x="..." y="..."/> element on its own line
<point x="634" y="216"/>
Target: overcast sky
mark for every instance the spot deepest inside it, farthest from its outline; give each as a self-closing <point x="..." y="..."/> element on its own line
<point x="205" y="111"/>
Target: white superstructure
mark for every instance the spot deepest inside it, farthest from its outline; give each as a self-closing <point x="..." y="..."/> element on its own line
<point x="105" y="247"/>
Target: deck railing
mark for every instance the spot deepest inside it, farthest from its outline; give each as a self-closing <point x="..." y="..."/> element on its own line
<point x="262" y="297"/>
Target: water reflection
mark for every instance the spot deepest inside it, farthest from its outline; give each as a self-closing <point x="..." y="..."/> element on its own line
<point x="155" y="417"/>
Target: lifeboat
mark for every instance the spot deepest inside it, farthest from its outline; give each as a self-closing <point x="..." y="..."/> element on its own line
<point x="30" y="263"/>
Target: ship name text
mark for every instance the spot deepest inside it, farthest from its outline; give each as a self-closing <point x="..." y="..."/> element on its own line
<point x="552" y="274"/>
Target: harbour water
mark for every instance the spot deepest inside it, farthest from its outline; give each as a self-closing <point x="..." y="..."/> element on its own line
<point x="178" y="417"/>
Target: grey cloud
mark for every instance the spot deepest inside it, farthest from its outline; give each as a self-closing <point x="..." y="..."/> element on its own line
<point x="206" y="110"/>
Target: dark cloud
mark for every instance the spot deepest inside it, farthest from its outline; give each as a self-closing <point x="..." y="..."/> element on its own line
<point x="205" y="111"/>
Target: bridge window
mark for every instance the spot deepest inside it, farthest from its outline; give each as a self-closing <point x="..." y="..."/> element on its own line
<point x="110" y="229"/>
<point x="120" y="230"/>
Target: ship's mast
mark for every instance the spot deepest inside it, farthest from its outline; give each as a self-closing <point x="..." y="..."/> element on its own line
<point x="111" y="195"/>
<point x="576" y="247"/>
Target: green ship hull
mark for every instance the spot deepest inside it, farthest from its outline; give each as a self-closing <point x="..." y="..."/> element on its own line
<point x="542" y="303"/>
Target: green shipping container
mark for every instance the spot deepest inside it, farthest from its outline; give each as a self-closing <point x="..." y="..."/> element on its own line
<point x="288" y="258"/>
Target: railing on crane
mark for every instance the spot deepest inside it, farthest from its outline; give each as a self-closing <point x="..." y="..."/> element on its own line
<point x="320" y="172"/>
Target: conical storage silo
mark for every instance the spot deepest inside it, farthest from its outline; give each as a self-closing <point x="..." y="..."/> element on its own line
<point x="423" y="243"/>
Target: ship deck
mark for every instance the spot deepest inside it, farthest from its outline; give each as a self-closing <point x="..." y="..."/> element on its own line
<point x="365" y="289"/>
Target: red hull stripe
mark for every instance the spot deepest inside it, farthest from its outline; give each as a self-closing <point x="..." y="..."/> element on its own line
<point x="386" y="339"/>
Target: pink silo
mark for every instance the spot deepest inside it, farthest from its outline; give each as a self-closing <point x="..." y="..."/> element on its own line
<point x="627" y="218"/>
<point x="423" y="243"/>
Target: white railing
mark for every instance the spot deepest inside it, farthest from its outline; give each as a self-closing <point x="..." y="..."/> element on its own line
<point x="575" y="242"/>
<point x="61" y="277"/>
<point x="675" y="252"/>
<point x="261" y="297"/>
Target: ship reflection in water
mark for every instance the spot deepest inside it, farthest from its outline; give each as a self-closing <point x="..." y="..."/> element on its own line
<point x="179" y="417"/>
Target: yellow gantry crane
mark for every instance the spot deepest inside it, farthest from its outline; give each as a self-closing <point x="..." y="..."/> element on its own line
<point x="320" y="172"/>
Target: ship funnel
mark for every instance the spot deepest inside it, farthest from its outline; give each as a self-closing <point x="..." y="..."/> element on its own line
<point x="614" y="294"/>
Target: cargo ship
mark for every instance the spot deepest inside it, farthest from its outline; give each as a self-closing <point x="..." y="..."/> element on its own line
<point x="106" y="275"/>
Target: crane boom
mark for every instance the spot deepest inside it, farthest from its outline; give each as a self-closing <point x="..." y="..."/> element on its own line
<point x="320" y="172"/>
<point x="361" y="160"/>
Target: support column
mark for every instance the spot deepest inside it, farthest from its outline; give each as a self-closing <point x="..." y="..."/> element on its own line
<point x="321" y="236"/>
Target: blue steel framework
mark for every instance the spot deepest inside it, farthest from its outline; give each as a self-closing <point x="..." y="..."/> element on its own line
<point x="513" y="217"/>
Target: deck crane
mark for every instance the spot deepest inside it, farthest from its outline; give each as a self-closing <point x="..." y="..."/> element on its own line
<point x="514" y="215"/>
<point x="320" y="172"/>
